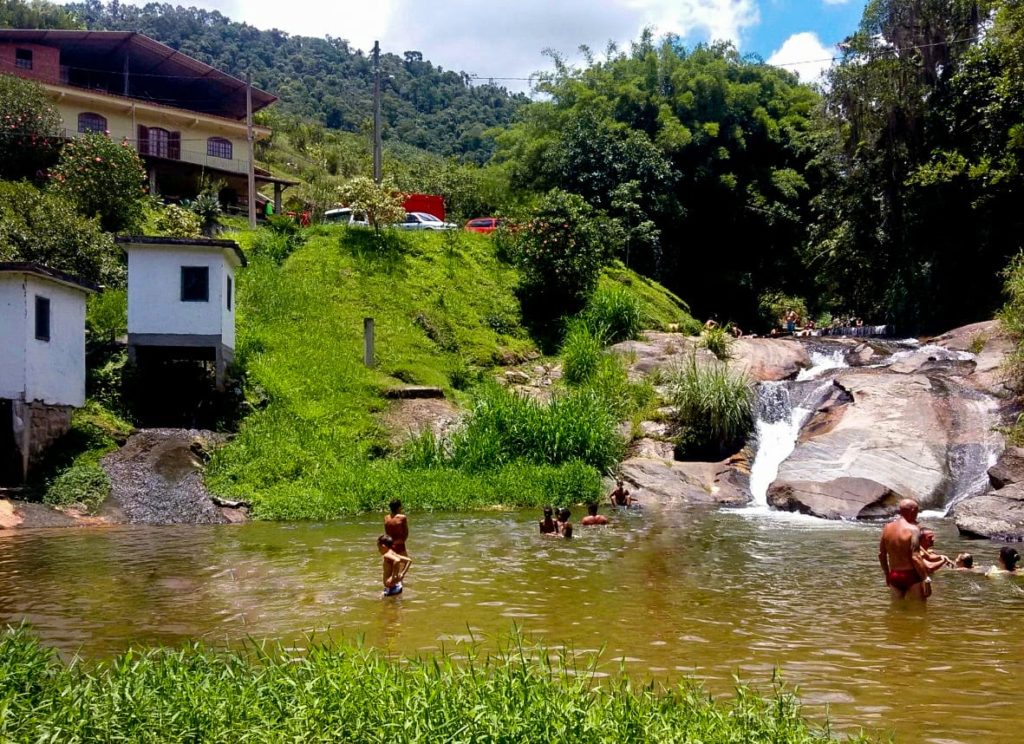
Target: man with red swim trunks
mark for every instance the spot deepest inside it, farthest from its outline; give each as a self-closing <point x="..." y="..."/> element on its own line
<point x="903" y="567"/>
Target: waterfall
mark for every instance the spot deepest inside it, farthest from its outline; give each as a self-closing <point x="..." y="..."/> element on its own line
<point x="782" y="410"/>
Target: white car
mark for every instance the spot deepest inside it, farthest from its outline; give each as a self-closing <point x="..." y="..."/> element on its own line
<point x="345" y="216"/>
<point x="424" y="221"/>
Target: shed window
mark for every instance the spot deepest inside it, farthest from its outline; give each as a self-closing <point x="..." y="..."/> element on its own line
<point x="23" y="58"/>
<point x="195" y="284"/>
<point x="42" y="318"/>
<point x="218" y="147"/>
<point x="90" y="122"/>
<point x="229" y="292"/>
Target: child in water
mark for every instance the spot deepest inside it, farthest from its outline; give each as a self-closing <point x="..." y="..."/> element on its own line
<point x="395" y="566"/>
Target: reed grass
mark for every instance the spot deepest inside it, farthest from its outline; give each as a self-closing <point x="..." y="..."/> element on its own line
<point x="714" y="404"/>
<point x="581" y="353"/>
<point x="614" y="313"/>
<point x="351" y="694"/>
<point x="717" y="341"/>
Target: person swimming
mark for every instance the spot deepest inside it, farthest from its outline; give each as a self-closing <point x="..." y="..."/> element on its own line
<point x="1007" y="562"/>
<point x="548" y="526"/>
<point x="593" y="518"/>
<point x="565" y="526"/>
<point x="964" y="562"/>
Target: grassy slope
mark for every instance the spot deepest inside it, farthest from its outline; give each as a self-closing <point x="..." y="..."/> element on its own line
<point x="443" y="305"/>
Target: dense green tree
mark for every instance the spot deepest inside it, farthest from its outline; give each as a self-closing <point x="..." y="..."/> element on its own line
<point x="35" y="14"/>
<point x="702" y="155"/>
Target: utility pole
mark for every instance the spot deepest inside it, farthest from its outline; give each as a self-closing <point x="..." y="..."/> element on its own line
<point x="252" y="156"/>
<point x="377" y="165"/>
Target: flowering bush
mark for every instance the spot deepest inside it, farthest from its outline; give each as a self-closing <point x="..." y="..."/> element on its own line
<point x="178" y="222"/>
<point x="103" y="178"/>
<point x="29" y="125"/>
<point x="561" y="250"/>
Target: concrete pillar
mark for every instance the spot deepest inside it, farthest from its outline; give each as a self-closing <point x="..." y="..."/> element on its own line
<point x="221" y="368"/>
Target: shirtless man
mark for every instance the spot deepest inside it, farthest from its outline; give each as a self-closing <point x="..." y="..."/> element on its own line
<point x="593" y="518"/>
<point x="548" y="525"/>
<point x="902" y="565"/>
<point x="396" y="526"/>
<point x="620" y="496"/>
<point x="395" y="566"/>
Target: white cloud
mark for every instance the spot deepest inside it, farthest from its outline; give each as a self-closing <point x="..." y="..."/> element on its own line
<point x="804" y="54"/>
<point x="836" y="2"/>
<point x="502" y="38"/>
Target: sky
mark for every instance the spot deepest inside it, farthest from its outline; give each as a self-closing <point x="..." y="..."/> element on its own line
<point x="505" y="39"/>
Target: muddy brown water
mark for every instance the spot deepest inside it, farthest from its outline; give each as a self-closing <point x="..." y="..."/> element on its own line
<point x="666" y="594"/>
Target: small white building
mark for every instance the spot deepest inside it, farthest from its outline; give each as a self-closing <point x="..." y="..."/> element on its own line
<point x="42" y="361"/>
<point x="181" y="299"/>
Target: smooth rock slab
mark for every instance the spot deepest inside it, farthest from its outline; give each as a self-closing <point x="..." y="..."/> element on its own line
<point x="997" y="514"/>
<point x="842" y="498"/>
<point x="665" y="481"/>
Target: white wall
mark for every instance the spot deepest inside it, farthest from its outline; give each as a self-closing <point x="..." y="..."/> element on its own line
<point x="154" y="292"/>
<point x="12" y="336"/>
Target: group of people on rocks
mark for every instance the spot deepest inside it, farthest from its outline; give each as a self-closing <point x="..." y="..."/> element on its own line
<point x="908" y="559"/>
<point x="557" y="524"/>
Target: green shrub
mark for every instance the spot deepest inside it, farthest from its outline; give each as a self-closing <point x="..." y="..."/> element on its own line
<point x="614" y="314"/>
<point x="106" y="315"/>
<point x="44" y="227"/>
<point x="716" y="340"/>
<point x="351" y="693"/>
<point x="178" y="222"/>
<point x="714" y="405"/>
<point x="560" y="252"/>
<point x="103" y="179"/>
<point x="581" y="353"/>
<point x="29" y="124"/>
<point x="81" y="484"/>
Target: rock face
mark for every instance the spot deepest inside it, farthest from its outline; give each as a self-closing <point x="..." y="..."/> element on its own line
<point x="669" y="482"/>
<point x="763" y="359"/>
<point x="998" y="514"/>
<point x="990" y="344"/>
<point x="889" y="443"/>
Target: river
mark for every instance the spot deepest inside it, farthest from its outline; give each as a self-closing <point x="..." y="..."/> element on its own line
<point x="710" y="594"/>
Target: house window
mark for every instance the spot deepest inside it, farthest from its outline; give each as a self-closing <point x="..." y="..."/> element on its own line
<point x="42" y="318"/>
<point x="90" y="122"/>
<point x="229" y="293"/>
<point x="195" y="284"/>
<point x="159" y="142"/>
<point x="23" y="58"/>
<point x="218" y="147"/>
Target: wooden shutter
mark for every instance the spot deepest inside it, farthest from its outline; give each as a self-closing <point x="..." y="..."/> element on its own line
<point x="143" y="140"/>
<point x="174" y="145"/>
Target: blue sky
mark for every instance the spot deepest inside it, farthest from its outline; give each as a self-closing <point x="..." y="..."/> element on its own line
<point x="506" y="38"/>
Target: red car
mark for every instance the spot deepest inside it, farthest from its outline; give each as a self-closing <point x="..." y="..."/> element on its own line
<point x="483" y="224"/>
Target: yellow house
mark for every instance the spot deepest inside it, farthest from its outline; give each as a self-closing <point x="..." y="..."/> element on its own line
<point x="187" y="120"/>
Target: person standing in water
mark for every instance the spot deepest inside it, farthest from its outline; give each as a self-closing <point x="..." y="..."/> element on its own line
<point x="548" y="526"/>
<point x="902" y="565"/>
<point x="564" y="525"/>
<point x="593" y="518"/>
<point x="396" y="526"/>
<point x="395" y="566"/>
<point x="620" y="496"/>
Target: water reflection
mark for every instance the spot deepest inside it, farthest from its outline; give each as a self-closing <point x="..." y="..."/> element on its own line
<point x="684" y="592"/>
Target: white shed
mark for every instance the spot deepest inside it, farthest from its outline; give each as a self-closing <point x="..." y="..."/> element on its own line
<point x="181" y="298"/>
<point x="42" y="360"/>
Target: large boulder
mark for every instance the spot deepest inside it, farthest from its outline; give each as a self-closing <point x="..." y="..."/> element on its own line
<point x="841" y="498"/>
<point x="997" y="514"/>
<point x="859" y="458"/>
<point x="1009" y="469"/>
<point x="666" y="481"/>
<point x="990" y="345"/>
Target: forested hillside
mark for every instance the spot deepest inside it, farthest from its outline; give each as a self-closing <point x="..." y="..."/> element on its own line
<point x="326" y="80"/>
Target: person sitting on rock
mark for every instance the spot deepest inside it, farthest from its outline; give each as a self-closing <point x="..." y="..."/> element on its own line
<point x="593" y="518"/>
<point x="1008" y="560"/>
<point x="620" y="497"/>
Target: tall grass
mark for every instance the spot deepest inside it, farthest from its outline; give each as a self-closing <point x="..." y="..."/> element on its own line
<point x="581" y="353"/>
<point x="506" y="427"/>
<point x="717" y="341"/>
<point x="351" y="694"/>
<point x="714" y="405"/>
<point x="614" y="314"/>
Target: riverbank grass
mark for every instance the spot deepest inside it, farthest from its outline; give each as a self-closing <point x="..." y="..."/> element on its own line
<point x="352" y="694"/>
<point x="446" y="315"/>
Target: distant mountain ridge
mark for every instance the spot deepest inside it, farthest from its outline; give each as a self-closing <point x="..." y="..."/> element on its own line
<point x="325" y="80"/>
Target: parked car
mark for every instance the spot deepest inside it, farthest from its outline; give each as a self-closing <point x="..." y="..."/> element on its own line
<point x="345" y="216"/>
<point x="483" y="224"/>
<point x="424" y="221"/>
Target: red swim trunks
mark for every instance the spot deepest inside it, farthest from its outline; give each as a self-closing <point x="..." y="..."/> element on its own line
<point x="902" y="579"/>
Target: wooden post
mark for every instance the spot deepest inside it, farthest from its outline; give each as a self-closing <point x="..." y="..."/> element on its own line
<point x="277" y="199"/>
<point x="368" y="342"/>
<point x="249" y="141"/>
